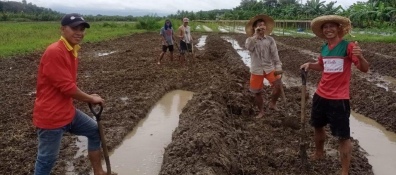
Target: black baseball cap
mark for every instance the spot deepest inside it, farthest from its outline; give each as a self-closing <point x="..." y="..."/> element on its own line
<point x="73" y="20"/>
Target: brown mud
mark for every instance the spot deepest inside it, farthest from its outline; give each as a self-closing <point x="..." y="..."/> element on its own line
<point x="366" y="97"/>
<point x="217" y="132"/>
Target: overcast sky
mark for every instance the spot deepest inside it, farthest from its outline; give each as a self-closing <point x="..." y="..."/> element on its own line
<point x="144" y="7"/>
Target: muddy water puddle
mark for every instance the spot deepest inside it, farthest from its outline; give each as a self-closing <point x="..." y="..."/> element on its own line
<point x="101" y="54"/>
<point x="201" y="42"/>
<point x="379" y="143"/>
<point x="223" y="29"/>
<point x="386" y="82"/>
<point x="206" y="28"/>
<point x="142" y="150"/>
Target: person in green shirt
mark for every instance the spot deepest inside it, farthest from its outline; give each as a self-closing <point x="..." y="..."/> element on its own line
<point x="330" y="103"/>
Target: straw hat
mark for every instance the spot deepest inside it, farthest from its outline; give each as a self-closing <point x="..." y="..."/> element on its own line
<point x="317" y="23"/>
<point x="269" y="23"/>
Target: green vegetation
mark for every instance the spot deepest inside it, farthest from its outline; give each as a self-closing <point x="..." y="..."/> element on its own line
<point x="19" y="38"/>
<point x="373" y="13"/>
<point x="213" y="26"/>
<point x="374" y="20"/>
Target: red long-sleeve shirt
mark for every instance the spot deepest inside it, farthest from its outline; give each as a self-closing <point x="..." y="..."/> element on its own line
<point x="56" y="82"/>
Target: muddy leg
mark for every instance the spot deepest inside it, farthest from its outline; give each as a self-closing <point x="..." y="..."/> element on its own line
<point x="320" y="137"/>
<point x="345" y="153"/>
<point x="160" y="58"/>
<point x="171" y="56"/>
<point x="259" y="103"/>
<point x="276" y="92"/>
<point x="96" y="161"/>
<point x="182" y="59"/>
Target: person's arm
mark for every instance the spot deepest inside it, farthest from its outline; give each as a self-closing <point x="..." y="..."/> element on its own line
<point x="82" y="96"/>
<point x="363" y="64"/>
<point x="250" y="43"/>
<point x="192" y="38"/>
<point x="163" y="39"/>
<point x="173" y="36"/>
<point x="181" y="33"/>
<point x="274" y="55"/>
<point x="56" y="69"/>
<point x="314" y="66"/>
<point x="355" y="52"/>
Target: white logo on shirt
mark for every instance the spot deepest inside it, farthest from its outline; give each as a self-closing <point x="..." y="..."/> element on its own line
<point x="332" y="65"/>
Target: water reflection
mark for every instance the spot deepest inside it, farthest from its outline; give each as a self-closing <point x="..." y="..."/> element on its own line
<point x="142" y="150"/>
<point x="379" y="143"/>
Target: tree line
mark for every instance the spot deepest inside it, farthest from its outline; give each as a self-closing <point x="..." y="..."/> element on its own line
<point x="23" y="11"/>
<point x="373" y="13"/>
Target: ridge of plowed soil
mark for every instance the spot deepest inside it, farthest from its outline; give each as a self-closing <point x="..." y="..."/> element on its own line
<point x="217" y="132"/>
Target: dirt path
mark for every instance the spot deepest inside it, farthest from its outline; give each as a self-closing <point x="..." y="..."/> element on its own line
<point x="217" y="133"/>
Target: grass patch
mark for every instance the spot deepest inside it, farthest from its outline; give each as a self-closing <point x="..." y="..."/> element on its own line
<point x="212" y="25"/>
<point x="25" y="37"/>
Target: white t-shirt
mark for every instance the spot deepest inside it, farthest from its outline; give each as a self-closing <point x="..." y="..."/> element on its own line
<point x="187" y="34"/>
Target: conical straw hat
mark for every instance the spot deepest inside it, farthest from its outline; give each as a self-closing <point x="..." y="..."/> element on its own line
<point x="317" y="23"/>
<point x="269" y="23"/>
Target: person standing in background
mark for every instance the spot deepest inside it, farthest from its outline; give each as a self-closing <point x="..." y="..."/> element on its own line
<point x="167" y="40"/>
<point x="186" y="40"/>
<point x="265" y="62"/>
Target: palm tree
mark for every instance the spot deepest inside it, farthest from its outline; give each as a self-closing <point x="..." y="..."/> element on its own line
<point x="287" y="2"/>
<point x="314" y="7"/>
<point x="329" y="8"/>
<point x="361" y="12"/>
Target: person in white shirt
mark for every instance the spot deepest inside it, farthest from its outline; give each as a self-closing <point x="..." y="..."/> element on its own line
<point x="186" y="40"/>
<point x="265" y="60"/>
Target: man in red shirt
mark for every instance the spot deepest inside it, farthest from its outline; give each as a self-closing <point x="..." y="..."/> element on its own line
<point x="54" y="112"/>
<point x="331" y="100"/>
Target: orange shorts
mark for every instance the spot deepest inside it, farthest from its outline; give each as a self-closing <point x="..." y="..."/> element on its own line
<point x="257" y="81"/>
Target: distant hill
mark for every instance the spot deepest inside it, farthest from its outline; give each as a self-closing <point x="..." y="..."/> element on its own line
<point x="23" y="7"/>
<point x="23" y="11"/>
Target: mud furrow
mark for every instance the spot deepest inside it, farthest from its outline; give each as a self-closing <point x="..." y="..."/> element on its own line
<point x="217" y="133"/>
<point x="219" y="126"/>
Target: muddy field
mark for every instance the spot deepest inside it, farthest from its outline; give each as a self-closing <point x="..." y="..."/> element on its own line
<point x="217" y="132"/>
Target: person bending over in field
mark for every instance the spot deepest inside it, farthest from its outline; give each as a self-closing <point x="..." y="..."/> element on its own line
<point x="330" y="103"/>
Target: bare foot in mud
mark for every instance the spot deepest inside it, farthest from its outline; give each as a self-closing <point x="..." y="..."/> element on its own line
<point x="344" y="173"/>
<point x="317" y="156"/>
<point x="260" y="115"/>
<point x="273" y="106"/>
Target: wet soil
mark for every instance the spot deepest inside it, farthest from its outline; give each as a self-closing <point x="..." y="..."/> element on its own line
<point x="366" y="98"/>
<point x="217" y="131"/>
